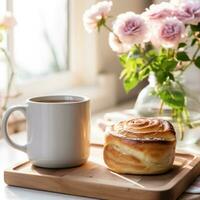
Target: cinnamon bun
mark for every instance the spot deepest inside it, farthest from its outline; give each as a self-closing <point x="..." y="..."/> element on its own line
<point x="140" y="146"/>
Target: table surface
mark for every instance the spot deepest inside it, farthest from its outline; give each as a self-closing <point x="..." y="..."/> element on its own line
<point x="10" y="157"/>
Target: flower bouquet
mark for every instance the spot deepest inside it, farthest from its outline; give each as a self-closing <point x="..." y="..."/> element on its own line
<point x="158" y="42"/>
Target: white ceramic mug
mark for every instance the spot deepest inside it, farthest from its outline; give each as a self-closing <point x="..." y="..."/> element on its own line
<point x="58" y="130"/>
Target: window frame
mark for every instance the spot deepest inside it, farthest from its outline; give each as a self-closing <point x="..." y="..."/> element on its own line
<point x="76" y="75"/>
<point x="84" y="77"/>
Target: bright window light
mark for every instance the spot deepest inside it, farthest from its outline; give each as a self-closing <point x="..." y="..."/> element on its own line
<point x="40" y="38"/>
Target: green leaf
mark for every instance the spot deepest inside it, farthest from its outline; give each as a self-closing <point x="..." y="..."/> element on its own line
<point x="172" y="94"/>
<point x="197" y="62"/>
<point x="193" y="42"/>
<point x="123" y="73"/>
<point x="161" y="76"/>
<point x="172" y="98"/>
<point x="171" y="76"/>
<point x="130" y="64"/>
<point x="134" y="52"/>
<point x="169" y="64"/>
<point x="152" y="53"/>
<point x="131" y="83"/>
<point x="195" y="28"/>
<point x="144" y="73"/>
<point x="181" y="45"/>
<point x="182" y="56"/>
<point x="139" y="61"/>
<point x="122" y="59"/>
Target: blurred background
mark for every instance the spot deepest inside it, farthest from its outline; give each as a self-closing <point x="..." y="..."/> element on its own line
<point x="53" y="54"/>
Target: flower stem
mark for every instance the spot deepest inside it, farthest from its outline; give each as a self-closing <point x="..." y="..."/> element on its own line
<point x="161" y="108"/>
<point x="196" y="52"/>
<point x="181" y="130"/>
<point x="195" y="123"/>
<point x="180" y="123"/>
<point x="10" y="80"/>
<point x="109" y="29"/>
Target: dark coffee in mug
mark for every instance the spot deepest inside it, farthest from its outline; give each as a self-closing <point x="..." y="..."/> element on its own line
<point x="58" y="99"/>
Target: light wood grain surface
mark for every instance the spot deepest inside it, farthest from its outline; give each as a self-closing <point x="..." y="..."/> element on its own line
<point x="94" y="180"/>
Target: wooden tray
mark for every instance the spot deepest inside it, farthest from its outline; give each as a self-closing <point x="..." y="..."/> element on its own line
<point x="94" y="180"/>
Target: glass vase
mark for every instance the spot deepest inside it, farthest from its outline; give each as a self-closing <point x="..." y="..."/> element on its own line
<point x="148" y="105"/>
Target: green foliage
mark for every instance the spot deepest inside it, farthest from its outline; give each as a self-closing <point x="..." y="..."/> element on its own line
<point x="195" y="28"/>
<point x="172" y="94"/>
<point x="138" y="64"/>
<point x="144" y="73"/>
<point x="181" y="45"/>
<point x="197" y="62"/>
<point x="173" y="98"/>
<point x="169" y="64"/>
<point x="163" y="66"/>
<point x="182" y="56"/>
<point x="122" y="59"/>
<point x="134" y="70"/>
<point x="130" y="83"/>
<point x="194" y="40"/>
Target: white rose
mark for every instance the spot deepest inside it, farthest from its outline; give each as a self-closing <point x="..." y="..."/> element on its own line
<point x="95" y="14"/>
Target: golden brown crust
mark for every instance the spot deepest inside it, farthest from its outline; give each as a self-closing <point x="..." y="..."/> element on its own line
<point x="140" y="146"/>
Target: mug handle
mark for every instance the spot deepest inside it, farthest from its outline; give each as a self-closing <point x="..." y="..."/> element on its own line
<point x="6" y="116"/>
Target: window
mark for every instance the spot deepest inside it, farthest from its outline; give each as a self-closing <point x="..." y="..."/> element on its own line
<point x="39" y="46"/>
<point x="39" y="43"/>
<point x="40" y="39"/>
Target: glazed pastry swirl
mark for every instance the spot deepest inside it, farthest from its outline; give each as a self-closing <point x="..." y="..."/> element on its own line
<point x="144" y="128"/>
<point x="140" y="146"/>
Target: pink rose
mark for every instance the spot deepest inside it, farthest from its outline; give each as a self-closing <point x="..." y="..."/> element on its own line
<point x="96" y="14"/>
<point x="159" y="11"/>
<point x="168" y="34"/>
<point x="189" y="12"/>
<point x="117" y="45"/>
<point x="8" y="21"/>
<point x="131" y="28"/>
